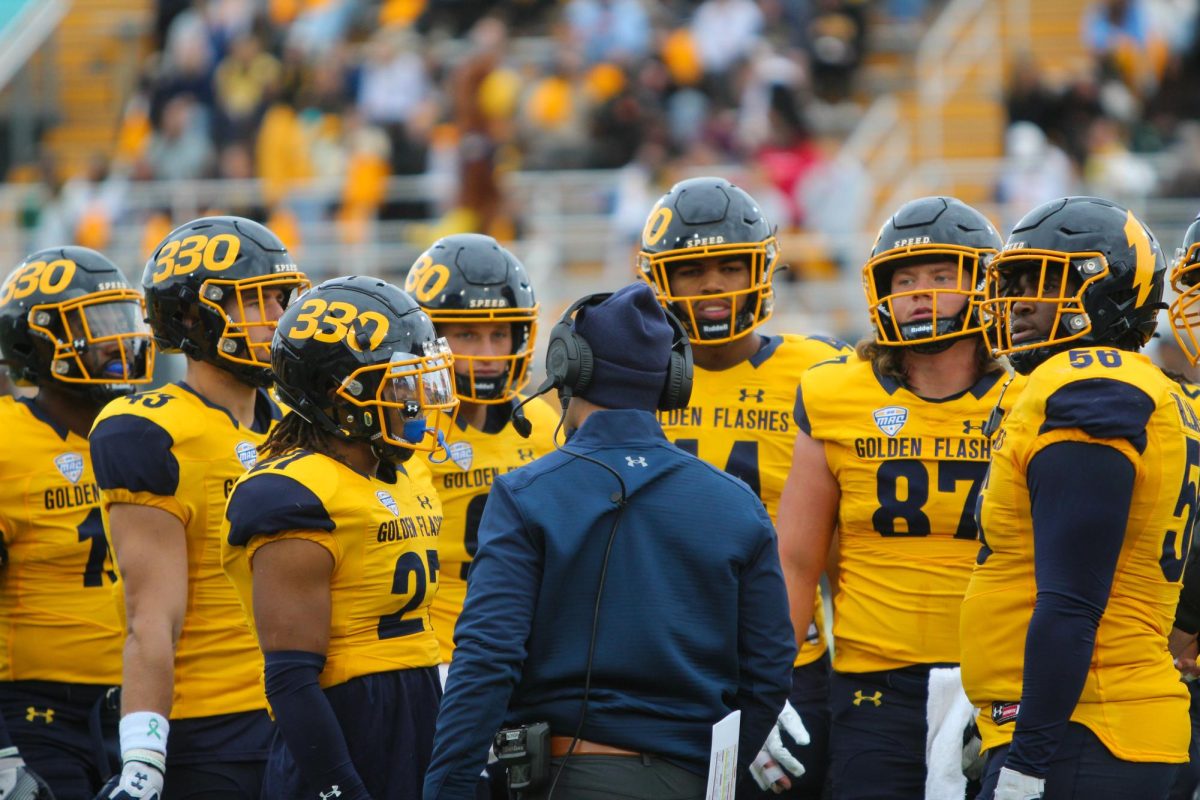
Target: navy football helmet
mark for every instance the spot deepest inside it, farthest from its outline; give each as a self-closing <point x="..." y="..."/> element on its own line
<point x="470" y="278"/>
<point x="68" y="317"/>
<point x="703" y="218"/>
<point x="1094" y="261"/>
<point x="927" y="230"/>
<point x="200" y="283"/>
<point x="358" y="358"/>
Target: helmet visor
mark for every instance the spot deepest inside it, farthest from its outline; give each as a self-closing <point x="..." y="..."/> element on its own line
<point x="100" y="338"/>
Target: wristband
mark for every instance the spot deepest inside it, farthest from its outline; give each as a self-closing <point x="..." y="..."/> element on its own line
<point x="144" y="730"/>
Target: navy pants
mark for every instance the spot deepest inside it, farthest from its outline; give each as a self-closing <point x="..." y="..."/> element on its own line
<point x="878" y="733"/>
<point x="66" y="732"/>
<point x="810" y="698"/>
<point x="1084" y="769"/>
<point x="219" y="756"/>
<point x="388" y="720"/>
<point x="1187" y="779"/>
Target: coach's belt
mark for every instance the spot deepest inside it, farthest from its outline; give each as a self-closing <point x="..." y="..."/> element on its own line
<point x="560" y="744"/>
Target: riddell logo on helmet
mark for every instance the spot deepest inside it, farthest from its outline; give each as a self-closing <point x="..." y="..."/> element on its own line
<point x="911" y="241"/>
<point x="703" y="241"/>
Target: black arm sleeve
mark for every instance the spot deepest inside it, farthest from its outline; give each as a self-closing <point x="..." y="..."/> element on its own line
<point x="1080" y="494"/>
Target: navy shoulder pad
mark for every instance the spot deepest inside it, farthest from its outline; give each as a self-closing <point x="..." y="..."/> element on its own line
<point x="266" y="504"/>
<point x="134" y="453"/>
<point x="1101" y="407"/>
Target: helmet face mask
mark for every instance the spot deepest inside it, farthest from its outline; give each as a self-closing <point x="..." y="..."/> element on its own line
<point x="208" y="285"/>
<point x="69" y="319"/>
<point x="929" y="230"/>
<point x="750" y="306"/>
<point x="470" y="279"/>
<point x="359" y="359"/>
<point x="1184" y="311"/>
<point x="710" y="218"/>
<point x="1092" y="263"/>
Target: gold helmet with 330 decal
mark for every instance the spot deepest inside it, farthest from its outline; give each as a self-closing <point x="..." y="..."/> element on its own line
<point x="1094" y="261"/>
<point x="358" y="358"/>
<point x="469" y="278"/>
<point x="68" y="317"/>
<point x="706" y="218"/>
<point x="207" y="287"/>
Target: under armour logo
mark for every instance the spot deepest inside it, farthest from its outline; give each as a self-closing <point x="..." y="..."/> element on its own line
<point x="424" y="501"/>
<point x="334" y="791"/>
<point x="32" y="713"/>
<point x="640" y="461"/>
<point x="758" y="395"/>
<point x="138" y="781"/>
<point x="968" y="427"/>
<point x="876" y="698"/>
<point x="525" y="453"/>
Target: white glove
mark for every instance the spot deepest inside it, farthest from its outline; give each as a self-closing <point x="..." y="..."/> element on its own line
<point x="1015" y="785"/>
<point x="765" y="768"/>
<point x="19" y="782"/>
<point x="141" y="777"/>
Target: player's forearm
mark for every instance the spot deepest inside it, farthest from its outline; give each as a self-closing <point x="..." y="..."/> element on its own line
<point x="149" y="668"/>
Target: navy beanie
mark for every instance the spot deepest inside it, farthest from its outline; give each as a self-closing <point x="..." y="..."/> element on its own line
<point x="631" y="343"/>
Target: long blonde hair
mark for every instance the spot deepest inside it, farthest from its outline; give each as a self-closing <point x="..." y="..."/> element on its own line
<point x="890" y="362"/>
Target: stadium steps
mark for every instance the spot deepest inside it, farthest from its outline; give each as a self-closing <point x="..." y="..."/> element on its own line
<point x="969" y="125"/>
<point x="96" y="51"/>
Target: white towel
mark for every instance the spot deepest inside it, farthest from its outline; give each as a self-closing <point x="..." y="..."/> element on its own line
<point x="948" y="711"/>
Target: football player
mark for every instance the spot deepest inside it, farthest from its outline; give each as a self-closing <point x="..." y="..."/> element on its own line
<point x="73" y="327"/>
<point x="1085" y="518"/>
<point x="165" y="462"/>
<point x="479" y="298"/>
<point x="890" y="455"/>
<point x="710" y="254"/>
<point x="333" y="547"/>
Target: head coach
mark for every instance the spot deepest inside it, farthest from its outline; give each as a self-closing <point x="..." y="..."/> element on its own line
<point x="624" y="593"/>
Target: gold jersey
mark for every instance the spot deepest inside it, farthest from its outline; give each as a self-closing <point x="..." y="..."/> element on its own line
<point x="1133" y="699"/>
<point x="383" y="537"/>
<point x="58" y="616"/>
<point x="909" y="471"/>
<point x="740" y="420"/>
<point x="173" y="450"/>
<point x="463" y="481"/>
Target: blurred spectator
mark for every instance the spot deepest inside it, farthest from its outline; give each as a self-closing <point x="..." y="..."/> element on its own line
<point x="479" y="192"/>
<point x="608" y="30"/>
<point x="725" y="31"/>
<point x="836" y="198"/>
<point x="1112" y="170"/>
<point x="245" y="80"/>
<point x="1028" y="98"/>
<point x="180" y="149"/>
<point x="394" y="81"/>
<point x="1034" y="172"/>
<point x="788" y="154"/>
<point x="1119" y="34"/>
<point x="835" y="36"/>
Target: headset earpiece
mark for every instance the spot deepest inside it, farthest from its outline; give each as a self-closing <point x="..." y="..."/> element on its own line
<point x="568" y="355"/>
<point x="677" y="390"/>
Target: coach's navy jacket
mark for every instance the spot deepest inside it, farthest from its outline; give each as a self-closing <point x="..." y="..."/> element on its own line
<point x="693" y="619"/>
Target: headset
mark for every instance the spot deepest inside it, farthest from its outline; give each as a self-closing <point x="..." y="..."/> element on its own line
<point x="569" y="363"/>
